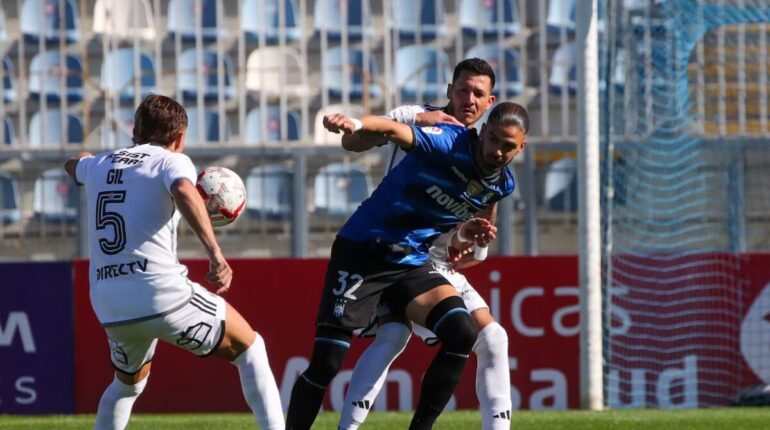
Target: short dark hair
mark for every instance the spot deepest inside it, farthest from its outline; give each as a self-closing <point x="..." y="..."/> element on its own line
<point x="510" y="113"/>
<point x="477" y="66"/>
<point x="158" y="119"/>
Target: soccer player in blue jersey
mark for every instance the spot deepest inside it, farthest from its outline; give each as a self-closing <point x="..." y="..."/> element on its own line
<point x="470" y="95"/>
<point x="449" y="174"/>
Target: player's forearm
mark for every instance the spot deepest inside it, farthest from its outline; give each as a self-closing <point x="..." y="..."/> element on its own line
<point x="71" y="164"/>
<point x="398" y="133"/>
<point x="362" y="141"/>
<point x="192" y="208"/>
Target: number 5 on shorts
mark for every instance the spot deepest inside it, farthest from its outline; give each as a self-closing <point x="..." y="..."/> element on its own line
<point x="343" y="280"/>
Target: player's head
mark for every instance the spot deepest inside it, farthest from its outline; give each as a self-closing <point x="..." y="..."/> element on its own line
<point x="470" y="93"/>
<point x="504" y="135"/>
<point x="160" y="120"/>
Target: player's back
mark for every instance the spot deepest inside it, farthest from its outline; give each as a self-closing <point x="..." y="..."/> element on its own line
<point x="132" y="223"/>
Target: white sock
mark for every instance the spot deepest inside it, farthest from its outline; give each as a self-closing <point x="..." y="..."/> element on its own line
<point x="259" y="387"/>
<point x="370" y="373"/>
<point x="493" y="377"/>
<point x="116" y="403"/>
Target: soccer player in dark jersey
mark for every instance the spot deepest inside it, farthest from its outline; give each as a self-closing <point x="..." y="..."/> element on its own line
<point x="449" y="174"/>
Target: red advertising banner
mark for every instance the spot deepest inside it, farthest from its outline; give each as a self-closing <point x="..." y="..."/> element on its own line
<point x="534" y="298"/>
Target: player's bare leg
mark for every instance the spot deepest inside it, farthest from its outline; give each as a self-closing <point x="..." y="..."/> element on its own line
<point x="493" y="386"/>
<point x="245" y="348"/>
<point x="442" y="311"/>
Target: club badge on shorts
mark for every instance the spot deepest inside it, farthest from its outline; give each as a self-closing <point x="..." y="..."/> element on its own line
<point x="339" y="307"/>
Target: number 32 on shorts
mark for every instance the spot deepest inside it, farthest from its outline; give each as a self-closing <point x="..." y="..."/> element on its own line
<point x="355" y="280"/>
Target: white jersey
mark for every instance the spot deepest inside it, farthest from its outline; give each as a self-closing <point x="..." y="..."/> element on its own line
<point x="132" y="222"/>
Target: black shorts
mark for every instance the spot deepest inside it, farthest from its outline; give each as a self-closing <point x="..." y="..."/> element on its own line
<point x="357" y="276"/>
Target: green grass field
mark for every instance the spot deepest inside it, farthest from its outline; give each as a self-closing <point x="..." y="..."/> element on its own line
<point x="700" y="419"/>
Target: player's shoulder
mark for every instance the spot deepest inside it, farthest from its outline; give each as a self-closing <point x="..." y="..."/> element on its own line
<point x="508" y="182"/>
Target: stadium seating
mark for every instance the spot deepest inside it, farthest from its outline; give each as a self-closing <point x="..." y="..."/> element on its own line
<point x="269" y="192"/>
<point x="3" y="26"/>
<point x="340" y="188"/>
<point x="211" y="127"/>
<point x="8" y="136"/>
<point x="426" y="18"/>
<point x="253" y="134"/>
<point x="337" y="73"/>
<point x="422" y="72"/>
<point x="124" y="19"/>
<point x="563" y="76"/>
<point x="51" y="134"/>
<point x="257" y="23"/>
<point x="485" y="16"/>
<point x="272" y="70"/>
<point x="561" y="16"/>
<point x="560" y="191"/>
<point x="117" y="129"/>
<point x="119" y="73"/>
<point x="55" y="197"/>
<point x="182" y="20"/>
<point x="9" y="81"/>
<point x="44" y="18"/>
<point x="328" y="16"/>
<point x="45" y="76"/>
<point x="491" y="53"/>
<point x="9" y="198"/>
<point x="187" y="75"/>
<point x="321" y="135"/>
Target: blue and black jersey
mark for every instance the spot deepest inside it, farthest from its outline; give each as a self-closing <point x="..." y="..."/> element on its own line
<point x="436" y="186"/>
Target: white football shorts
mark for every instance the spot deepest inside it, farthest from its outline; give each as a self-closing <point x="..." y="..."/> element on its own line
<point x="198" y="327"/>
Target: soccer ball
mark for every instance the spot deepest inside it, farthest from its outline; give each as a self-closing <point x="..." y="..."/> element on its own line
<point x="223" y="192"/>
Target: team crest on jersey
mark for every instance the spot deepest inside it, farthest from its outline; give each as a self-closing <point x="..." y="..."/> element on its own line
<point x="432" y="130"/>
<point x="474" y="187"/>
<point x="339" y="308"/>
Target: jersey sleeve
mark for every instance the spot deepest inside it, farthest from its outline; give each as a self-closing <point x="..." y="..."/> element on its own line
<point x="435" y="140"/>
<point x="178" y="166"/>
<point x="82" y="168"/>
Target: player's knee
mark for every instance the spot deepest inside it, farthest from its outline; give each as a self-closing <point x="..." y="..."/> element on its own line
<point x="330" y="348"/>
<point x="492" y="339"/>
<point x="452" y="323"/>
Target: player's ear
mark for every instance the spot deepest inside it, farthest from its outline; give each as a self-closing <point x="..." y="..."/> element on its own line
<point x="492" y="100"/>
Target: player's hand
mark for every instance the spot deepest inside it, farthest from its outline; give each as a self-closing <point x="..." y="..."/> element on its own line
<point x="338" y="122"/>
<point x="454" y="254"/>
<point x="479" y="230"/>
<point x="424" y="119"/>
<point x="220" y="274"/>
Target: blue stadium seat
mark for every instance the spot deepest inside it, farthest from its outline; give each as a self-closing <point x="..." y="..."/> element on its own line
<point x="43" y="18"/>
<point x="181" y="20"/>
<point x="55" y="197"/>
<point x="119" y="72"/>
<point x="9" y="198"/>
<point x="118" y="132"/>
<point x="491" y="53"/>
<point x="45" y="72"/>
<point x="187" y="75"/>
<point x="211" y="128"/>
<point x="272" y="132"/>
<point x="8" y="136"/>
<point x="424" y="17"/>
<point x="255" y="22"/>
<point x="328" y="15"/>
<point x="9" y="81"/>
<point x="124" y="19"/>
<point x="422" y="71"/>
<point x="269" y="192"/>
<point x="52" y="136"/>
<point x="340" y="188"/>
<point x="561" y="186"/>
<point x="485" y="16"/>
<point x="335" y="71"/>
<point x="563" y="76"/>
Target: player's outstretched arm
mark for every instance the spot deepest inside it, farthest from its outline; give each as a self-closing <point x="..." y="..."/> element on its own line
<point x="474" y="232"/>
<point x="190" y="204"/>
<point x="400" y="134"/>
<point x="72" y="163"/>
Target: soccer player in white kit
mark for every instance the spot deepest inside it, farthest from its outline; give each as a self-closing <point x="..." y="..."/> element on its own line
<point x="470" y="95"/>
<point x="139" y="290"/>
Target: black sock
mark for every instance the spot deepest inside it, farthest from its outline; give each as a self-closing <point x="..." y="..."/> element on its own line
<point x="308" y="392"/>
<point x="457" y="333"/>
